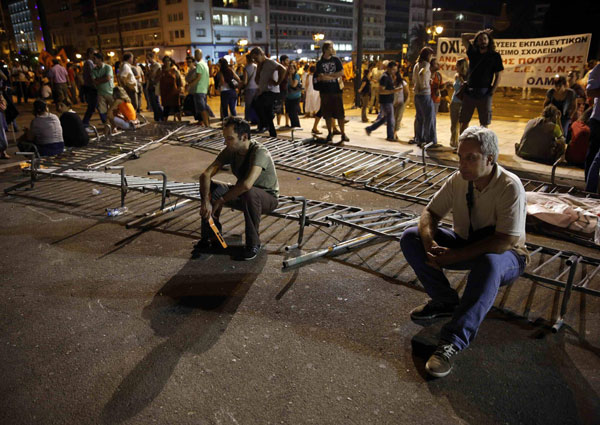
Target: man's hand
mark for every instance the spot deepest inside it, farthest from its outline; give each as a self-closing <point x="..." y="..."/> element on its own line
<point x="440" y="256"/>
<point x="206" y="210"/>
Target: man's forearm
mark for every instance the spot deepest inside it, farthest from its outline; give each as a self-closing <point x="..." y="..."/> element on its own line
<point x="428" y="225"/>
<point x="205" y="187"/>
<point x="493" y="244"/>
<point x="235" y="192"/>
<point x="497" y="78"/>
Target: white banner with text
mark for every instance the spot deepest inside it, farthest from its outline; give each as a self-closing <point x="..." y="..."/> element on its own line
<point x="530" y="62"/>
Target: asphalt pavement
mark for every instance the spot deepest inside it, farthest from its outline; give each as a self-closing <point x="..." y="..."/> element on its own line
<point x="107" y="325"/>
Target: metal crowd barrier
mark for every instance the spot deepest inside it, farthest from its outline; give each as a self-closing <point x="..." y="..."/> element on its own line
<point x="394" y="175"/>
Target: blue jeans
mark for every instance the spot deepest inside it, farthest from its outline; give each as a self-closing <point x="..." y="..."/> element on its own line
<point x="425" y="131"/>
<point x="228" y="100"/>
<point x="386" y="115"/>
<point x="592" y="158"/>
<point x="154" y="103"/>
<point x="250" y="114"/>
<point x="488" y="273"/>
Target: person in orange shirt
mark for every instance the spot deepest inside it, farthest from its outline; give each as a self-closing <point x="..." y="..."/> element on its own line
<point x="121" y="112"/>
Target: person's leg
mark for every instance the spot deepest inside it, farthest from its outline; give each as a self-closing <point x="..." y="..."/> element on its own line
<point x="293" y="106"/>
<point x="389" y="118"/>
<point x="419" y="99"/>
<point x="121" y="124"/>
<point x="255" y="202"/>
<point x="466" y="112"/>
<point x="454" y="125"/>
<point x="217" y="191"/>
<point x="223" y="108"/>
<point x="433" y="280"/>
<point x="432" y="122"/>
<point x="364" y="102"/>
<point x="91" y="98"/>
<point x="488" y="273"/>
<point x="270" y="100"/>
<point x="592" y="158"/>
<point x="484" y="110"/>
<point x="232" y="99"/>
<point x="102" y="107"/>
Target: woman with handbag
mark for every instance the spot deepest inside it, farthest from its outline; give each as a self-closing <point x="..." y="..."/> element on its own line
<point x="460" y="81"/>
<point x="228" y="81"/>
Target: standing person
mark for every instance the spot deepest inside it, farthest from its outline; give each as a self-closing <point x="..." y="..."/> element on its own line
<point x="312" y="102"/>
<point x="255" y="192"/>
<point x="592" y="158"/>
<point x="72" y="83"/>
<point x="139" y="76"/>
<point x="79" y="83"/>
<point x="460" y="78"/>
<point x="228" y="81"/>
<point x="425" y="130"/>
<point x="564" y="98"/>
<point x="154" y="73"/>
<point x="251" y="88"/>
<point x="127" y="79"/>
<point x="104" y="82"/>
<point x="20" y="79"/>
<point x="90" y="93"/>
<point x="269" y="75"/>
<point x="59" y="78"/>
<point x="365" y="95"/>
<point x="281" y="100"/>
<point x="436" y="84"/>
<point x="485" y="72"/>
<point x="294" y="93"/>
<point x="200" y="96"/>
<point x="386" y="101"/>
<point x="488" y="239"/>
<point x="400" y="101"/>
<point x="375" y="76"/>
<point x="170" y="87"/>
<point x="329" y="71"/>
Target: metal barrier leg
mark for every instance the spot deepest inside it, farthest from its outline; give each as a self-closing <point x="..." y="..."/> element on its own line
<point x="302" y="223"/>
<point x="164" y="186"/>
<point x="124" y="188"/>
<point x="572" y="263"/>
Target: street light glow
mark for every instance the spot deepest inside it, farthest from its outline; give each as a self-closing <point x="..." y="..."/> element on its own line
<point x="439" y="29"/>
<point x="243" y="42"/>
<point x="111" y="54"/>
<point x="156" y="50"/>
<point x="77" y="55"/>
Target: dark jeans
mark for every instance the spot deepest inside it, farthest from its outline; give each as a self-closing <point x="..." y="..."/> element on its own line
<point x="228" y="100"/>
<point x="386" y="116"/>
<point x="252" y="203"/>
<point x="91" y="98"/>
<point x="156" y="108"/>
<point x="488" y="273"/>
<point x="22" y="90"/>
<point x="592" y="158"/>
<point x="292" y="107"/>
<point x="264" y="108"/>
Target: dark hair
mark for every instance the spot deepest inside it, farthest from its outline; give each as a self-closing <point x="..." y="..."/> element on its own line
<point x="240" y="126"/>
<point x="391" y="64"/>
<point x="491" y="44"/>
<point x="256" y="51"/>
<point x="120" y="93"/>
<point x="226" y="71"/>
<point x="282" y="58"/>
<point x="560" y="80"/>
<point x="39" y="107"/>
<point x="551" y="112"/>
<point x="190" y="58"/>
<point x="167" y="58"/>
<point x="326" y="45"/>
<point x="90" y="51"/>
<point x="98" y="55"/>
<point x="54" y="61"/>
<point x="127" y="56"/>
<point x="425" y="54"/>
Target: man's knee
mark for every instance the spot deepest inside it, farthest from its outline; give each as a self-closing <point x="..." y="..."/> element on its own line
<point x="409" y="238"/>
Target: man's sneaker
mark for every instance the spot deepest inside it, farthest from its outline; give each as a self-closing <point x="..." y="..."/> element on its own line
<point x="431" y="310"/>
<point x="250" y="253"/>
<point x="439" y="364"/>
<point x="368" y="131"/>
<point x="329" y="137"/>
<point x="336" y="131"/>
<point x="345" y="138"/>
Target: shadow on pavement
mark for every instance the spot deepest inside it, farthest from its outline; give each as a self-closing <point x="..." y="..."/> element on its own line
<point x="190" y="311"/>
<point x="511" y="373"/>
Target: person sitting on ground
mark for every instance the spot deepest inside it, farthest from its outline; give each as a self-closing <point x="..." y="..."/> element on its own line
<point x="74" y="134"/>
<point x="564" y="99"/>
<point x="488" y="239"/>
<point x="45" y="132"/>
<point x="121" y="112"/>
<point x="580" y="140"/>
<point x="255" y="192"/>
<point x="542" y="140"/>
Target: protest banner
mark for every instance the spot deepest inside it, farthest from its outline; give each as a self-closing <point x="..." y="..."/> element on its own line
<point x="530" y="62"/>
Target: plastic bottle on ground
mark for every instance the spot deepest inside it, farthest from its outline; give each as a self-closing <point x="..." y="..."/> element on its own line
<point x="113" y="212"/>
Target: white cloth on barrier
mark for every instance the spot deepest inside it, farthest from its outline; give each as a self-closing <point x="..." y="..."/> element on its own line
<point x="563" y="210"/>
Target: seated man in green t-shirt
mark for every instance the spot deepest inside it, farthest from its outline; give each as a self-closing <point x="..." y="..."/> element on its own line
<point x="254" y="193"/>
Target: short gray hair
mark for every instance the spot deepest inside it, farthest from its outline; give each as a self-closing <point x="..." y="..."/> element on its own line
<point x="488" y="141"/>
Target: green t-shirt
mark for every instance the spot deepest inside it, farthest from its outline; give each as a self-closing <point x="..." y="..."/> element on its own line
<point x="259" y="156"/>
<point x="202" y="84"/>
<point x="104" y="71"/>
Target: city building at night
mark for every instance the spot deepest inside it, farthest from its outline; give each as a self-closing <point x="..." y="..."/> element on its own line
<point x="26" y="25"/>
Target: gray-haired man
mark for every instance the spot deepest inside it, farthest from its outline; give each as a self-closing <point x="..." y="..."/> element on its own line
<point x="488" y="207"/>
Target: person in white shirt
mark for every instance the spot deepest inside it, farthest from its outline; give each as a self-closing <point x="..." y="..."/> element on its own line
<point x="488" y="206"/>
<point x="425" y="131"/>
<point x="128" y="80"/>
